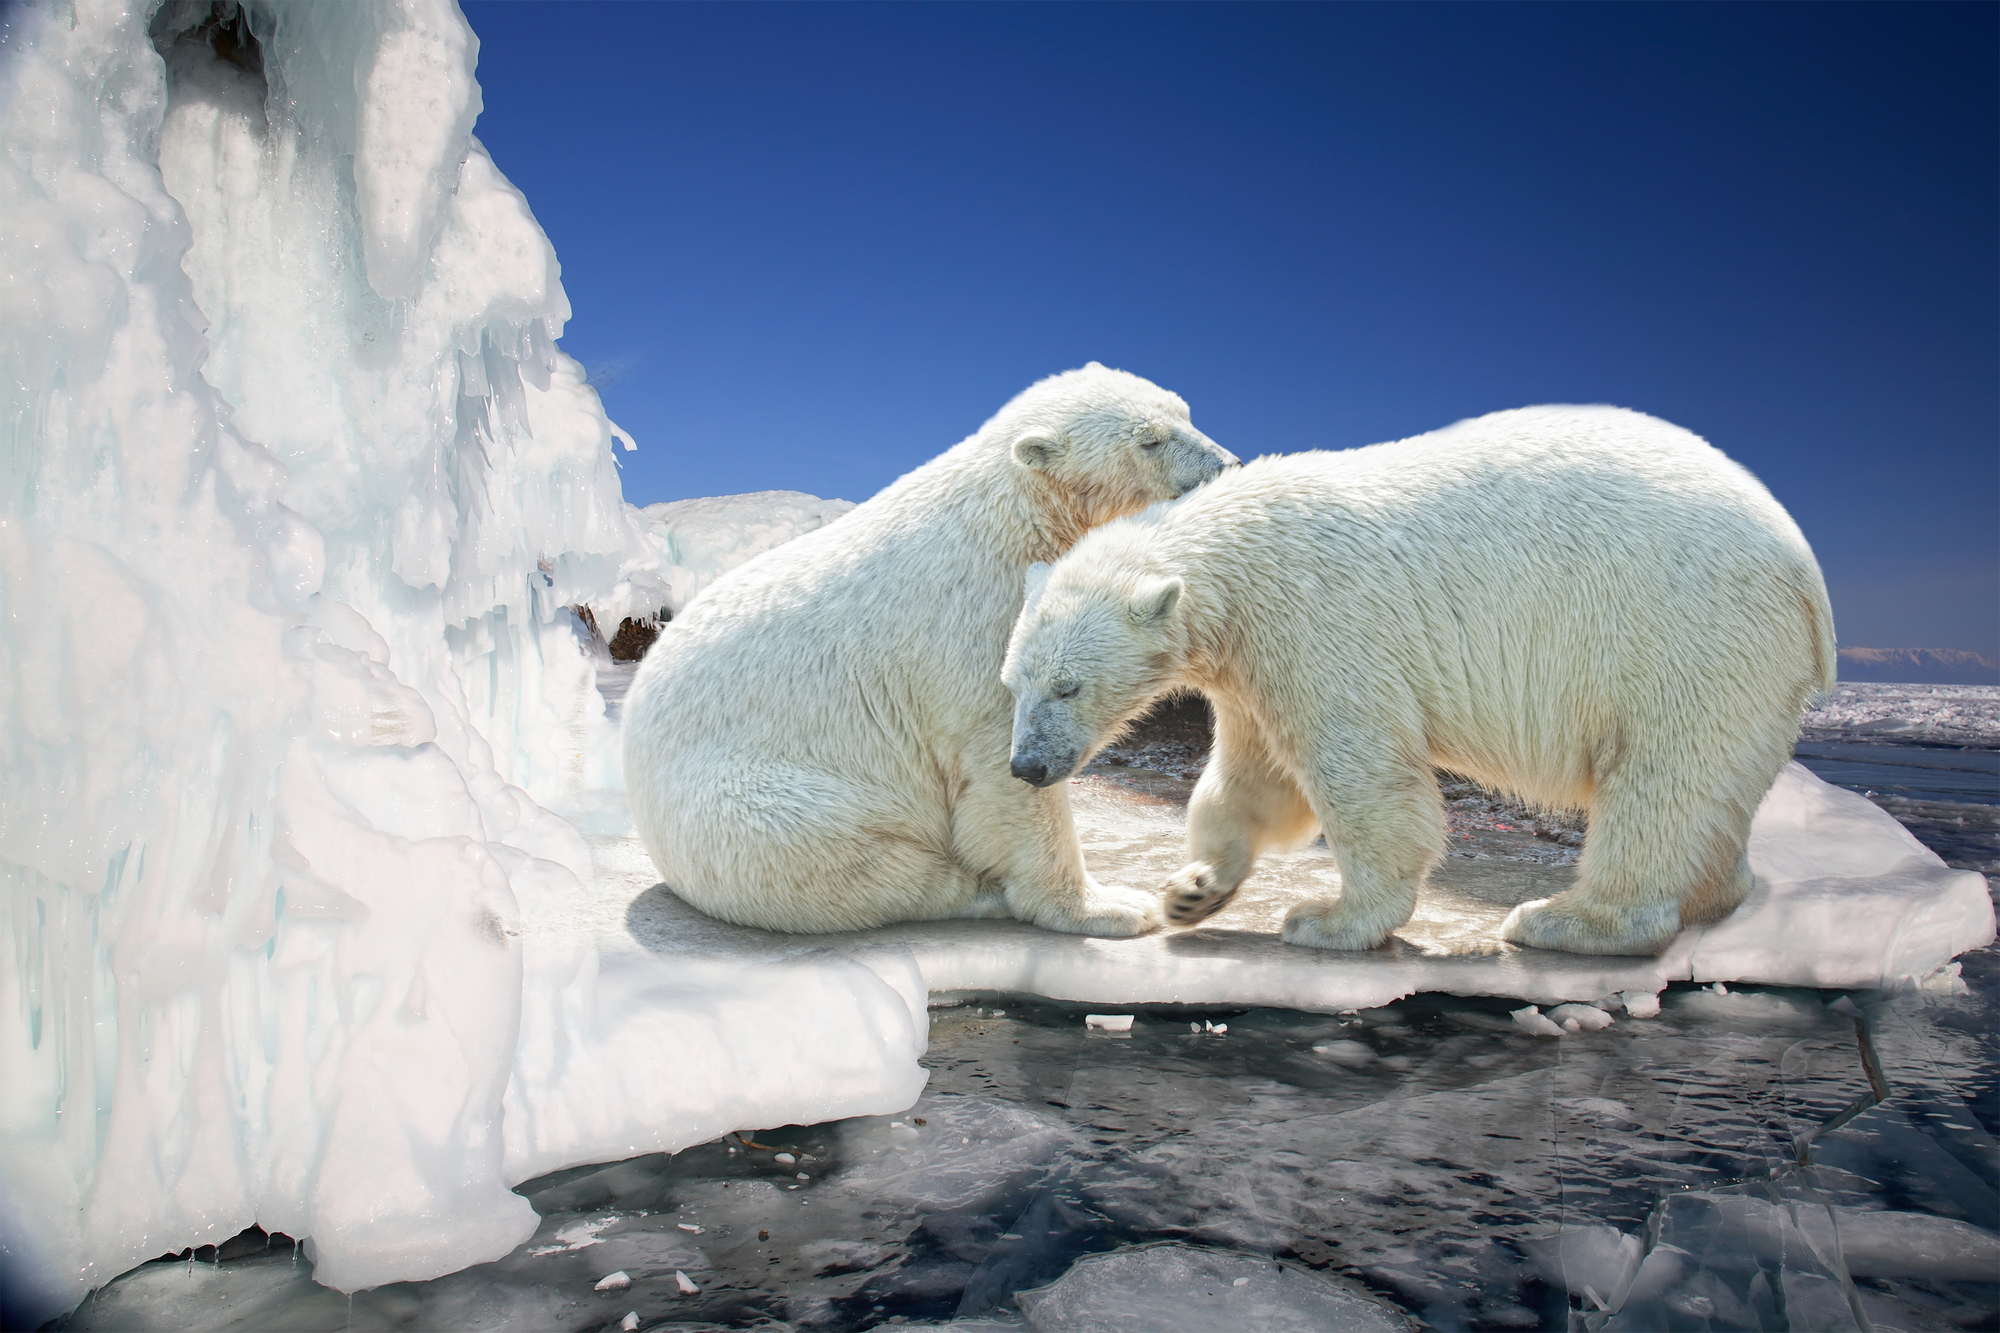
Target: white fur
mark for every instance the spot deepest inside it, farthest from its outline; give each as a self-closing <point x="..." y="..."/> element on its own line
<point x="1584" y="606"/>
<point x="820" y="741"/>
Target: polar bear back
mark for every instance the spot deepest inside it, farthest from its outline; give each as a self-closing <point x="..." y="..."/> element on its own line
<point x="837" y="601"/>
<point x="1516" y="594"/>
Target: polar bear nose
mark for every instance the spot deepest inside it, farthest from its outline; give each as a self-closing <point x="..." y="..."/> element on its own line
<point x="1029" y="770"/>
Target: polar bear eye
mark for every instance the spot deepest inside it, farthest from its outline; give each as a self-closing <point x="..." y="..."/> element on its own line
<point x="1068" y="692"/>
<point x="1152" y="444"/>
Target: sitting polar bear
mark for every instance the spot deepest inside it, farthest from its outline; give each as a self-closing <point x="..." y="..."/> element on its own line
<point x="820" y="741"/>
<point x="1584" y="606"/>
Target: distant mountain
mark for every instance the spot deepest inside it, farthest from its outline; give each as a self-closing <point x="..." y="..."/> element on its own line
<point x="1919" y="666"/>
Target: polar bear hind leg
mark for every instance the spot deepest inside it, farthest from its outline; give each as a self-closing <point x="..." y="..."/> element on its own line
<point x="1660" y="856"/>
<point x="789" y="847"/>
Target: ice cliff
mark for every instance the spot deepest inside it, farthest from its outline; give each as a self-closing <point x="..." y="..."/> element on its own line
<point x="297" y="492"/>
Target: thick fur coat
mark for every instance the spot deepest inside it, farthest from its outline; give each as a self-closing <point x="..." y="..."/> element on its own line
<point x="1584" y="606"/>
<point x="820" y="741"/>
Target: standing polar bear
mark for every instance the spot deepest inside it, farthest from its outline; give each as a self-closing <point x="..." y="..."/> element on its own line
<point x="1585" y="606"/>
<point x="820" y="741"/>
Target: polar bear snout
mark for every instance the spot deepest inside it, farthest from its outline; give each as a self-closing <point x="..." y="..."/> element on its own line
<point x="1029" y="770"/>
<point x="1198" y="459"/>
<point x="1039" y="757"/>
<point x="1038" y="763"/>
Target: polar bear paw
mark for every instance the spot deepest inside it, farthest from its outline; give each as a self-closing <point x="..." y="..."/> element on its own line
<point x="1323" y="924"/>
<point x="1195" y="894"/>
<point x="1104" y="909"/>
<point x="1580" y="926"/>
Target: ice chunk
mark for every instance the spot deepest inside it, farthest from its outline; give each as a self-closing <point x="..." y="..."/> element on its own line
<point x="1109" y="1022"/>
<point x="1595" y="1262"/>
<point x="1586" y="1016"/>
<point x="1916" y="1245"/>
<point x="975" y="1149"/>
<point x="614" y="1281"/>
<point x="1640" y="1003"/>
<point x="630" y="1323"/>
<point x="1533" y="1020"/>
<point x="1353" y="1054"/>
<point x="1168" y="1288"/>
<point x="1741" y="1260"/>
<point x="687" y="1287"/>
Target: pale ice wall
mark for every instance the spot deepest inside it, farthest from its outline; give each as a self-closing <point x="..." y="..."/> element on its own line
<point x="294" y="488"/>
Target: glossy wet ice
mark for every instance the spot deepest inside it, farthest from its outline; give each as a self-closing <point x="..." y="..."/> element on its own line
<point x="1427" y="1158"/>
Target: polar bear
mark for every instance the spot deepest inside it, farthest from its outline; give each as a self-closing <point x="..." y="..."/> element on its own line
<point x="819" y="742"/>
<point x="1584" y="606"/>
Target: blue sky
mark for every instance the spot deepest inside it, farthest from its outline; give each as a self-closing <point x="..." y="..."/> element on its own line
<point x="811" y="246"/>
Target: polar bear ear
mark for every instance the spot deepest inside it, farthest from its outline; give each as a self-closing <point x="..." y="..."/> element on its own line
<point x="1038" y="579"/>
<point x="1156" y="601"/>
<point x="1037" y="451"/>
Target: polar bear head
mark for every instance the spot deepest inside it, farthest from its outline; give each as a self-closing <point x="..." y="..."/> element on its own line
<point x="1098" y="639"/>
<point x="1106" y="443"/>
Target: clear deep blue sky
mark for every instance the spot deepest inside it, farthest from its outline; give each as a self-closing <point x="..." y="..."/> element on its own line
<point x="811" y="246"/>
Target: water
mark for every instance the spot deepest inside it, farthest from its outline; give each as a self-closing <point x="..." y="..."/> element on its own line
<point x="1949" y="796"/>
<point x="1425" y="1159"/>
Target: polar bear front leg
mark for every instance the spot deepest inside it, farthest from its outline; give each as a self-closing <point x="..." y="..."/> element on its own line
<point x="1243" y="806"/>
<point x="1024" y="837"/>
<point x="1386" y="824"/>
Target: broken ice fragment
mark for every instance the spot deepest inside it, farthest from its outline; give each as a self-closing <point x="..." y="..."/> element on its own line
<point x="617" y="1281"/>
<point x="1109" y="1022"/>
<point x="1531" y="1019"/>
<point x="786" y="1159"/>
<point x="629" y="1322"/>
<point x="1583" y="1015"/>
<point x="689" y="1226"/>
<point x="681" y="1280"/>
<point x="804" y="1176"/>
<point x="1349" y="1052"/>
<point x="1639" y="1003"/>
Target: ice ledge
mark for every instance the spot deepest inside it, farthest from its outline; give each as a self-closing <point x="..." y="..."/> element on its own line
<point x="1844" y="898"/>
<point x="648" y="1026"/>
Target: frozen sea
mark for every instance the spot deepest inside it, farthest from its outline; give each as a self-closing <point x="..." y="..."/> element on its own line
<point x="1723" y="1165"/>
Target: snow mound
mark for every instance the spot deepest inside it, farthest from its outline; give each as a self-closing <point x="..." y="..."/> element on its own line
<point x="699" y="541"/>
<point x="1939" y="714"/>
